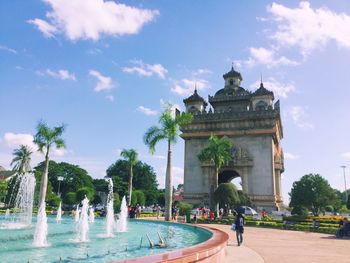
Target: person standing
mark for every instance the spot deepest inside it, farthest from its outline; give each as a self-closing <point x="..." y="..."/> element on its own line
<point x="239" y="222"/>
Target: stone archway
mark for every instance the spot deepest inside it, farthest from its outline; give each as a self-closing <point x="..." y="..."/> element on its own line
<point x="227" y="175"/>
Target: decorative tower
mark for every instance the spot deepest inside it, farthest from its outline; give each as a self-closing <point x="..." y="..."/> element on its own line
<point x="252" y="122"/>
<point x="195" y="104"/>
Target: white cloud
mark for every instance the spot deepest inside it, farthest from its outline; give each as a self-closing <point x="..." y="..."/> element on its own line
<point x="14" y="140"/>
<point x="346" y="155"/>
<point x="110" y="97"/>
<point x="82" y="19"/>
<point x="177" y="175"/>
<point x="202" y="71"/>
<point x="62" y="74"/>
<point x="291" y="156"/>
<point x="309" y="28"/>
<point x="299" y="116"/>
<point x="147" y="70"/>
<point x="104" y="83"/>
<point x="47" y="29"/>
<point x="11" y="50"/>
<point x="153" y="156"/>
<point x="265" y="57"/>
<point x="147" y="111"/>
<point x="279" y="89"/>
<point x="187" y="86"/>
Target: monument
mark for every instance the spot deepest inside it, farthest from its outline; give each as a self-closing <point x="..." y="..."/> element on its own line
<point x="252" y="122"/>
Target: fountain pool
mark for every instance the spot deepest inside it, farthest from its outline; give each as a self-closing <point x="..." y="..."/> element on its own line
<point x="16" y="245"/>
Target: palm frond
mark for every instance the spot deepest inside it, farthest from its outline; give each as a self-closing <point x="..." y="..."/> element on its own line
<point x="152" y="136"/>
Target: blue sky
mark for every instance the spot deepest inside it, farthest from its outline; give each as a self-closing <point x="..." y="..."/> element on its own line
<point x="105" y="68"/>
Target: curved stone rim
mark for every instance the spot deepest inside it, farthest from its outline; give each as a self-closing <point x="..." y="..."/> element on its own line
<point x="205" y="250"/>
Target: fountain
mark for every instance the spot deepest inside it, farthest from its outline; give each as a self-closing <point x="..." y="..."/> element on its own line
<point x="40" y="235"/>
<point x="76" y="216"/>
<point x="23" y="203"/>
<point x="123" y="217"/>
<point x="7" y="214"/>
<point x="83" y="224"/>
<point x="91" y="215"/>
<point x="59" y="213"/>
<point x="110" y="223"/>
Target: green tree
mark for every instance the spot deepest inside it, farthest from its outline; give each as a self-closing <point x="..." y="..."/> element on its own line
<point x="101" y="185"/>
<point x="226" y="195"/>
<point x="130" y="156"/>
<point x="184" y="207"/>
<point x="169" y="131"/>
<point x="46" y="138"/>
<point x="85" y="191"/>
<point x="244" y="199"/>
<point x="74" y="177"/>
<point x="3" y="190"/>
<point x="313" y="192"/>
<point x="21" y="160"/>
<point x="70" y="198"/>
<point x="218" y="152"/>
<point x="161" y="198"/>
<point x="144" y="178"/>
<point x="348" y="203"/>
<point x="138" y="197"/>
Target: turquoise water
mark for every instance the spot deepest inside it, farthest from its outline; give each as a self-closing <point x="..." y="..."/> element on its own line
<point x="15" y="244"/>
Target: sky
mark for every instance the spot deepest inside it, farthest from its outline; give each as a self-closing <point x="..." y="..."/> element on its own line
<point x="106" y="68"/>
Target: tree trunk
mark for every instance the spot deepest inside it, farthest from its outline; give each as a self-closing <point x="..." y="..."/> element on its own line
<point x="213" y="205"/>
<point x="168" y="187"/>
<point x="130" y="185"/>
<point x="44" y="179"/>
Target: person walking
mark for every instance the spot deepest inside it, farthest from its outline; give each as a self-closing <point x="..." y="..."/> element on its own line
<point x="239" y="222"/>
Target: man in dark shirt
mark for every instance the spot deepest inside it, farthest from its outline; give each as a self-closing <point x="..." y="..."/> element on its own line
<point x="239" y="222"/>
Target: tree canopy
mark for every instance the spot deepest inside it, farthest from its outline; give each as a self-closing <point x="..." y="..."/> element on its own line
<point x="312" y="192"/>
<point x="144" y="179"/>
<point x="226" y="194"/>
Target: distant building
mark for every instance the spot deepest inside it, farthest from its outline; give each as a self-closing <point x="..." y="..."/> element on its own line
<point x="252" y="122"/>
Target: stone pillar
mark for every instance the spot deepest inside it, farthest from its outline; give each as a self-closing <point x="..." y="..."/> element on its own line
<point x="244" y="178"/>
<point x="278" y="182"/>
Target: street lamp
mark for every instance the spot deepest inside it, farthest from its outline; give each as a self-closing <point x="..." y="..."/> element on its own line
<point x="346" y="193"/>
<point x="60" y="179"/>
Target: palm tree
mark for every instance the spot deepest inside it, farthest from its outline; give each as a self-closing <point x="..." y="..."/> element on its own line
<point x="21" y="160"/>
<point x="219" y="152"/>
<point x="168" y="131"/>
<point x="131" y="157"/>
<point x="46" y="138"/>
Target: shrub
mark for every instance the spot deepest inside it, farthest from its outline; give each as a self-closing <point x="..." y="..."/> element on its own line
<point x="54" y="201"/>
<point x="85" y="191"/>
<point x="70" y="198"/>
<point x="184" y="207"/>
<point x="138" y="197"/>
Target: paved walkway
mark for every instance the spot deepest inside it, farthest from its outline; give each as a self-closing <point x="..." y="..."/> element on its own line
<point x="284" y="246"/>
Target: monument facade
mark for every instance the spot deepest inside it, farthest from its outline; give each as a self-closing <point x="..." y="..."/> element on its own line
<point x="252" y="122"/>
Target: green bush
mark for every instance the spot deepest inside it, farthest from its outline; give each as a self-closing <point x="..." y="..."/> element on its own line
<point x="54" y="201"/>
<point x="116" y="203"/>
<point x="85" y="191"/>
<point x="184" y="207"/>
<point x="70" y="198"/>
<point x="138" y="197"/>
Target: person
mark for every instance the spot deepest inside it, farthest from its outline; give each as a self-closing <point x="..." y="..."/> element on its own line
<point x="344" y="230"/>
<point x="158" y="211"/>
<point x="211" y="215"/>
<point x="221" y="213"/>
<point x="195" y="218"/>
<point x="173" y="212"/>
<point x="239" y="226"/>
<point x="203" y="212"/>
